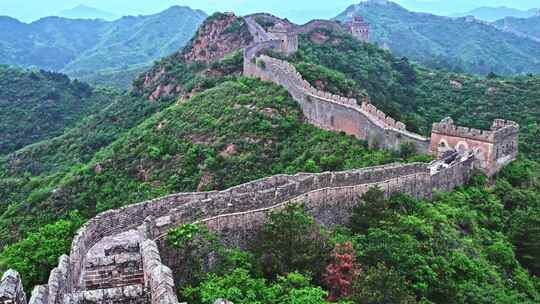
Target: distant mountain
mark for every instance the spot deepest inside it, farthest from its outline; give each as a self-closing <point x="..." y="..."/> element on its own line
<point x="94" y="50"/>
<point x="449" y="8"/>
<point x="86" y="12"/>
<point x="39" y="105"/>
<point x="458" y="44"/>
<point x="525" y="27"/>
<point x="496" y="13"/>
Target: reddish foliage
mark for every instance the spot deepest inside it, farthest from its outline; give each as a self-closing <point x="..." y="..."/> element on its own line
<point x="341" y="273"/>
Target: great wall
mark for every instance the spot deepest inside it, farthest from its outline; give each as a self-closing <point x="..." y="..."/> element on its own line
<point x="121" y="256"/>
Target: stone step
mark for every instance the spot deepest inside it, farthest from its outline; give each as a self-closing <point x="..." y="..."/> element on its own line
<point x="131" y="294"/>
<point x="124" y="247"/>
<point x="120" y="266"/>
<point x="128" y="259"/>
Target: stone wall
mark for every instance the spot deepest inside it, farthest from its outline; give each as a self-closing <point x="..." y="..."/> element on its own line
<point x="158" y="278"/>
<point x="332" y="112"/>
<point x="59" y="284"/>
<point x="40" y="294"/>
<point x="59" y="281"/>
<point x="493" y="148"/>
<point x="11" y="289"/>
<point x="359" y="28"/>
<point x="330" y="204"/>
<point x="183" y="208"/>
<point x="237" y="211"/>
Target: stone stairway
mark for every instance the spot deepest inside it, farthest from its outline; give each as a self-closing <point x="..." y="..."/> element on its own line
<point x="113" y="273"/>
<point x="121" y="266"/>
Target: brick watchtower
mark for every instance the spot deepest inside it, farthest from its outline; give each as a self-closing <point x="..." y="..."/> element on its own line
<point x="493" y="149"/>
<point x="287" y="37"/>
<point x="359" y="28"/>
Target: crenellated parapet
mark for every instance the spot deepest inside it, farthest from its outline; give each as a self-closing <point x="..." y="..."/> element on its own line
<point x="493" y="148"/>
<point x="447" y="127"/>
<point x="324" y="109"/>
<point x="133" y="236"/>
<point x="359" y="28"/>
<point x="381" y="116"/>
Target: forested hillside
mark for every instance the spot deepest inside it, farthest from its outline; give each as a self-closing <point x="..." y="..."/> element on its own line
<point x="497" y="13"/>
<point x="39" y="105"/>
<point x="459" y="44"/>
<point x="416" y="95"/>
<point x="526" y="27"/>
<point x="92" y="50"/>
<point x="190" y="125"/>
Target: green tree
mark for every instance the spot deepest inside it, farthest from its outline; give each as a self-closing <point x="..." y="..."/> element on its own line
<point x="291" y="241"/>
<point x="525" y="234"/>
<point x="371" y="207"/>
<point x="36" y="255"/>
<point x="240" y="287"/>
<point x="197" y="246"/>
<point x="382" y="285"/>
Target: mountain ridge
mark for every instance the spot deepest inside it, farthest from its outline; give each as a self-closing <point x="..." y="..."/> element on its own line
<point x="491" y="14"/>
<point x="82" y="11"/>
<point x="91" y="49"/>
<point x="461" y="44"/>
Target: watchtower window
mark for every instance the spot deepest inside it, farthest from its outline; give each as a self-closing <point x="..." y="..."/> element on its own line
<point x="462" y="147"/>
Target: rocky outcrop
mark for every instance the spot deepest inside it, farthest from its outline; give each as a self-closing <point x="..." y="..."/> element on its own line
<point x="219" y="36"/>
<point x="11" y="289"/>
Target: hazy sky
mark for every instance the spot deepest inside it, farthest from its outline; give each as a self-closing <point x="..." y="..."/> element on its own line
<point x="29" y="10"/>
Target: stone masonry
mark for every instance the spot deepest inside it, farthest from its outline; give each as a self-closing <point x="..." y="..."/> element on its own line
<point x="493" y="148"/>
<point x="359" y="28"/>
<point x="323" y="109"/>
<point x="121" y="256"/>
<point x="235" y="214"/>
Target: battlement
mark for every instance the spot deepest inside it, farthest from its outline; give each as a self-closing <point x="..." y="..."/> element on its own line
<point x="242" y="207"/>
<point x="500" y="129"/>
<point x="493" y="148"/>
<point x="381" y="116"/>
<point x="120" y="256"/>
<point x="447" y="127"/>
<point x="293" y="80"/>
<point x="359" y="28"/>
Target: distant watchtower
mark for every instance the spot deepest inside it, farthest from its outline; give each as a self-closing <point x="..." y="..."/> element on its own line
<point x="493" y="149"/>
<point x="359" y="28"/>
<point x="287" y="37"/>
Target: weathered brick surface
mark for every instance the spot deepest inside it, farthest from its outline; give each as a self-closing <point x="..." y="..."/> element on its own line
<point x="132" y="294"/>
<point x="11" y="289"/>
<point x="493" y="148"/>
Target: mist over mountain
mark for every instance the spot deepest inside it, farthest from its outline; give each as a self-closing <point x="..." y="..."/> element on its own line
<point x="450" y="8"/>
<point x="86" y="12"/>
<point x="524" y="27"/>
<point x="497" y="13"/>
